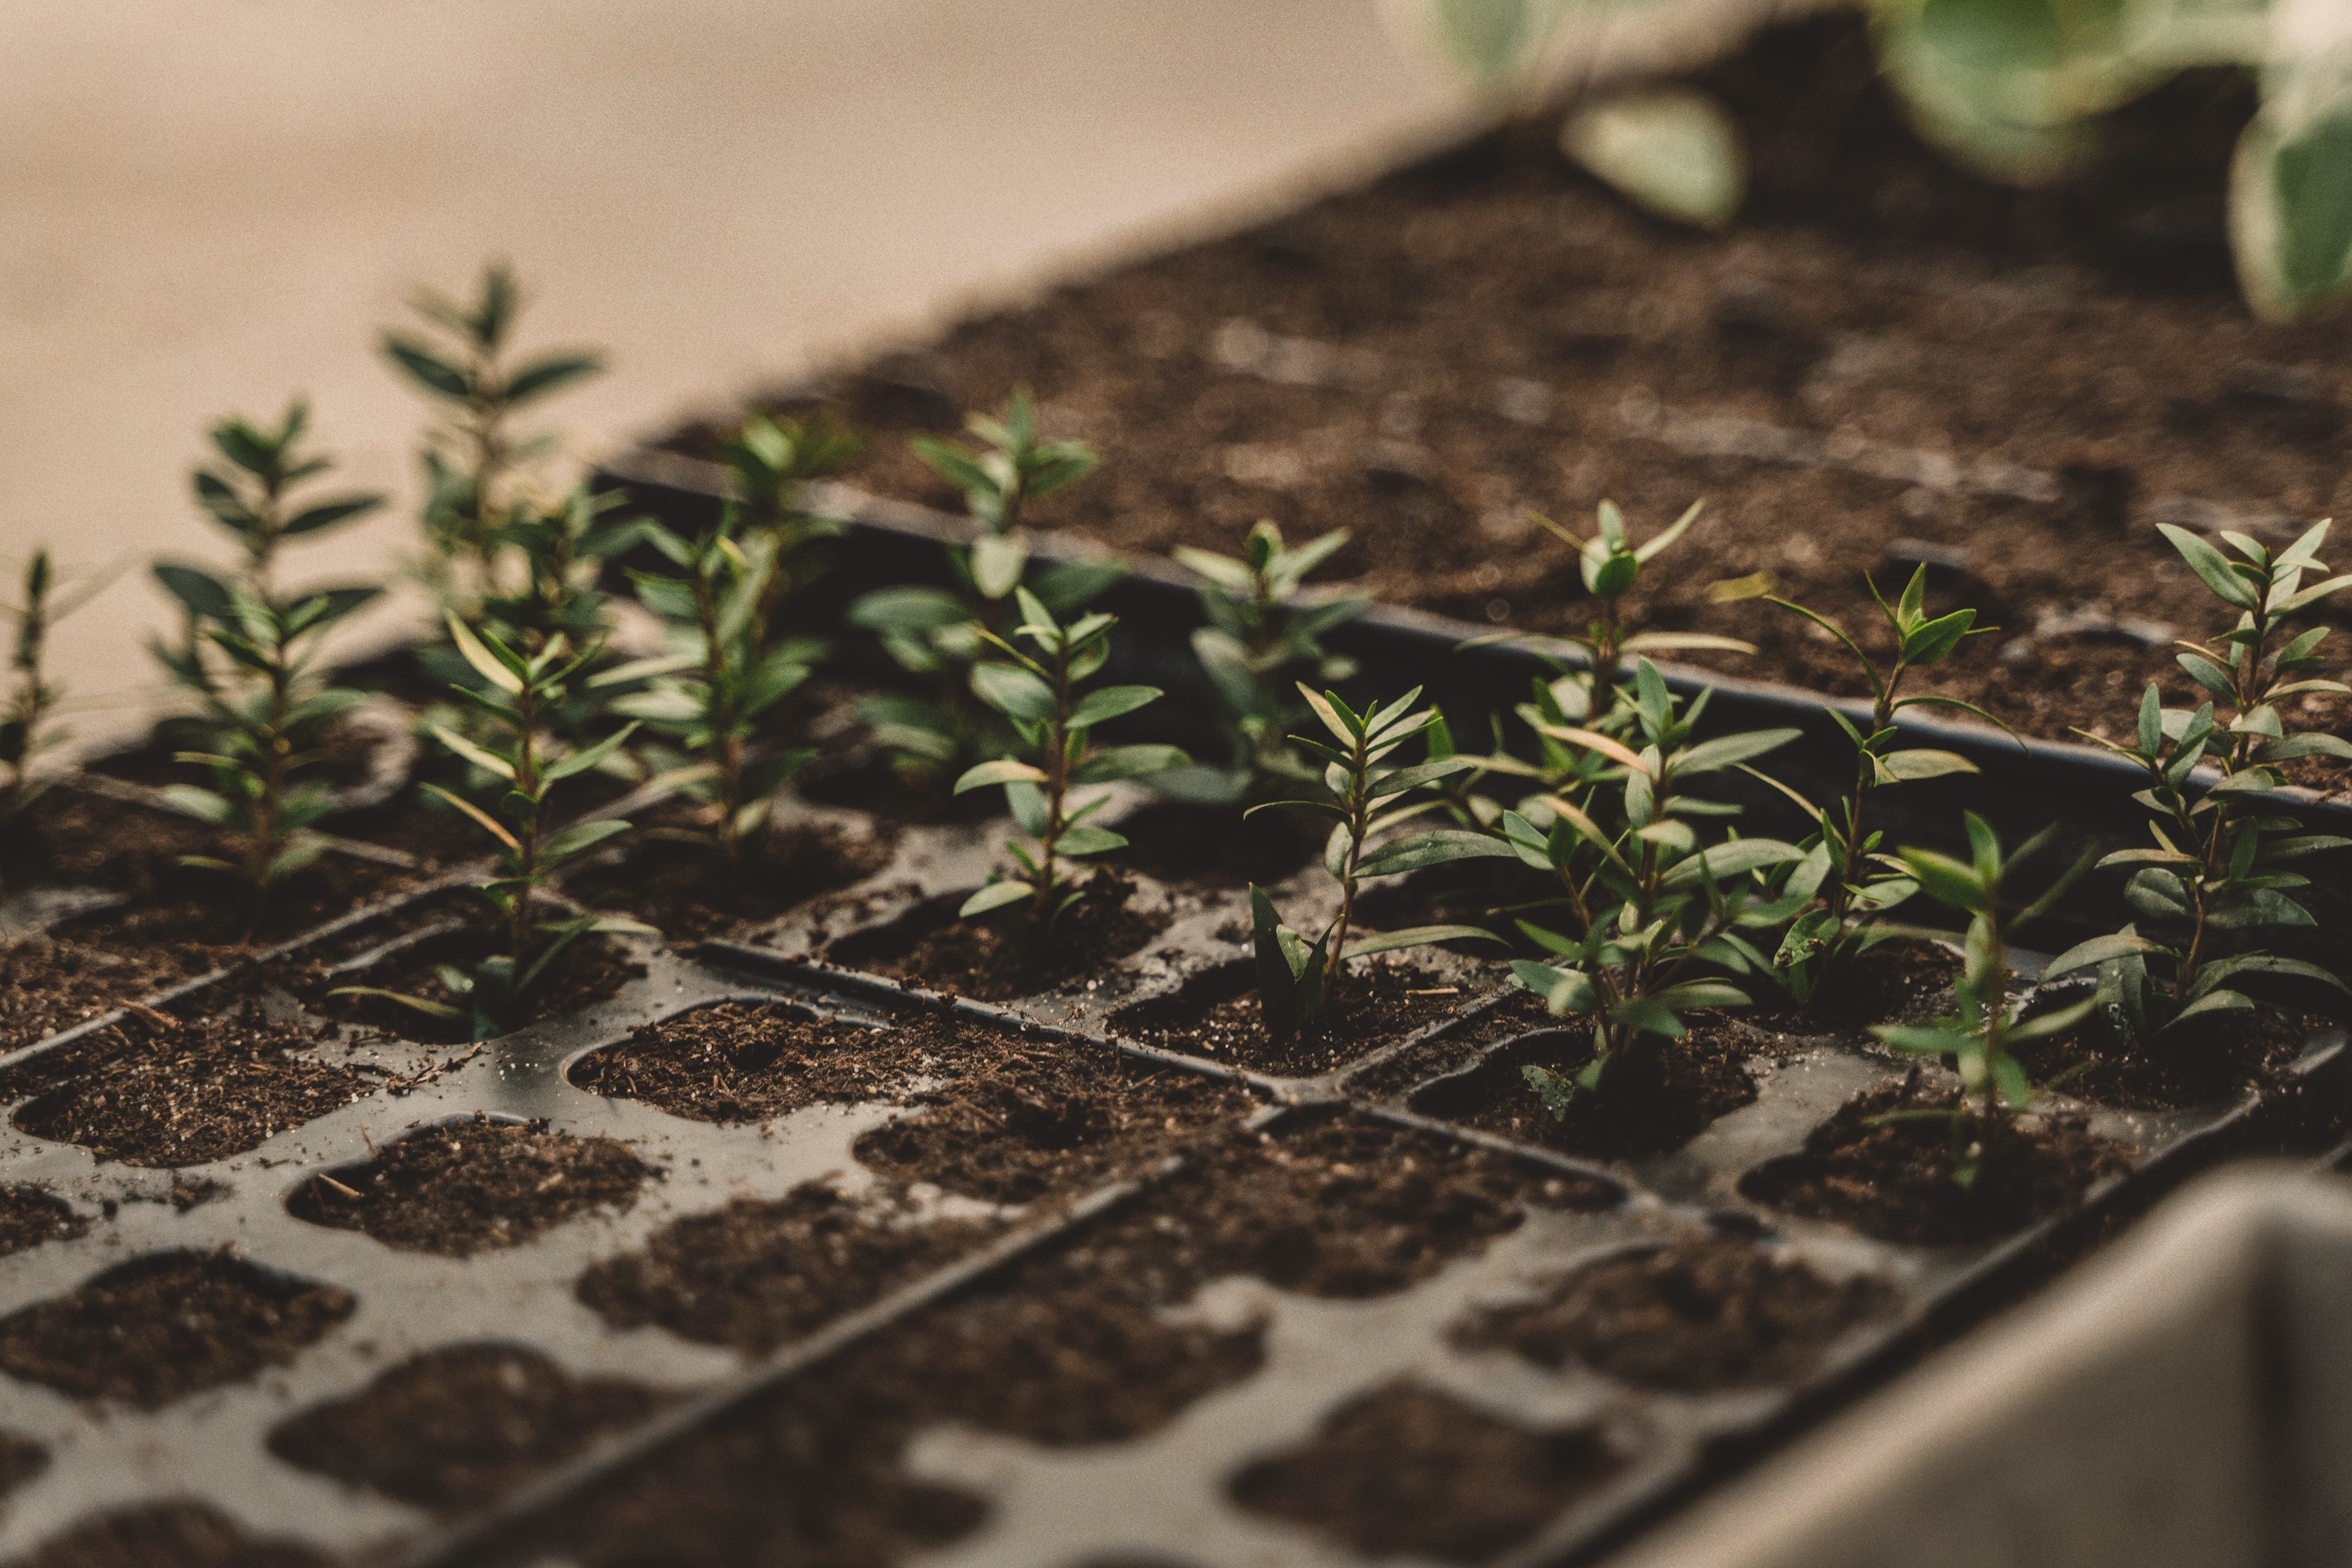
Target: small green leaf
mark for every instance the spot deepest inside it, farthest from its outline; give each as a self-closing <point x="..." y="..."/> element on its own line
<point x="995" y="896"/>
<point x="1003" y="770"/>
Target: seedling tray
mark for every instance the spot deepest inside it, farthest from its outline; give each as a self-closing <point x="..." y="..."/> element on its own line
<point x="1302" y="1377"/>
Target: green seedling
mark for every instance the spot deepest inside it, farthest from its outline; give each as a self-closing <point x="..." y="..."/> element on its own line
<point x="772" y="459"/>
<point x="521" y="689"/>
<point x="939" y="633"/>
<point x="1644" y="908"/>
<point x="475" y="462"/>
<point x="1983" y="1037"/>
<point x="1366" y="799"/>
<point x="27" y="726"/>
<point x="2220" y="867"/>
<point x="1264" y="634"/>
<point x="722" y="674"/>
<point x="1038" y="693"/>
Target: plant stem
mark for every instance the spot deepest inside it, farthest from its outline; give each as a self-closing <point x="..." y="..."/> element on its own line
<point x="526" y="783"/>
<point x="1057" y="783"/>
<point x="726" y="745"/>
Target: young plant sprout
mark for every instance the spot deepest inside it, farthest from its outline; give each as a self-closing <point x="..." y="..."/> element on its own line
<point x="724" y="672"/>
<point x="1055" y="723"/>
<point x="522" y="690"/>
<point x="772" y="459"/>
<point x="939" y="632"/>
<point x="1982" y="1039"/>
<point x="563" y="549"/>
<point x="26" y="727"/>
<point x="1366" y="803"/>
<point x="1847" y="881"/>
<point x="1648" y="905"/>
<point x="249" y="654"/>
<point x="474" y="457"/>
<point x="1264" y="632"/>
<point x="2218" y="868"/>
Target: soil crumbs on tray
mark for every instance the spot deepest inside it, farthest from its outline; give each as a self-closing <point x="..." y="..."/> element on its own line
<point x="473" y="1186"/>
<point x="165" y="1535"/>
<point x="159" y="1328"/>
<point x="1083" y="1342"/>
<point x="985" y="960"/>
<point x="685" y="889"/>
<point x="154" y="1089"/>
<point x="1657" y="1105"/>
<point x="459" y="1426"/>
<point x="755" y="1061"/>
<point x="1378" y="1004"/>
<point x="1893" y="1180"/>
<point x="1408" y="1471"/>
<point x="29" y="1216"/>
<point x="1705" y="1313"/>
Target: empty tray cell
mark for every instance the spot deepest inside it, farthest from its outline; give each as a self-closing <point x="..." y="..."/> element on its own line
<point x="930" y="947"/>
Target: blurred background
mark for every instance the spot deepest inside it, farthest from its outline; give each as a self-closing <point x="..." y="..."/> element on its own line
<point x="208" y="204"/>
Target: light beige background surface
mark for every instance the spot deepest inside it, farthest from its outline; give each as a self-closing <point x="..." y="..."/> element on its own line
<point x="208" y="204"/>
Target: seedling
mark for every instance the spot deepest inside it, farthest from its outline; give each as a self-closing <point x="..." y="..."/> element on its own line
<point x="2218" y="868"/>
<point x="522" y="690"/>
<point x="563" y="549"/>
<point x="1264" y="634"/>
<point x="1648" y="905"/>
<point x="723" y="673"/>
<point x="473" y="458"/>
<point x="1847" y="879"/>
<point x="1055" y="723"/>
<point x="27" y="729"/>
<point x="939" y="632"/>
<point x="1366" y="801"/>
<point x="772" y="459"/>
<point x="1983" y="1038"/>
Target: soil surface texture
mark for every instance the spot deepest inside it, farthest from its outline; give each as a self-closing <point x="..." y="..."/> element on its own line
<point x="1706" y="1313"/>
<point x="687" y="891"/>
<point x="473" y="1186"/>
<point x="159" y="1328"/>
<point x="754" y="1061"/>
<point x="1660" y="1100"/>
<point x="29" y="1216"/>
<point x="583" y="973"/>
<point x="1203" y="846"/>
<point x="158" y="1091"/>
<point x="998" y="960"/>
<point x="165" y="1535"/>
<point x="2234" y="1052"/>
<point x="49" y="983"/>
<point x="1893" y="1180"/>
<point x="1217" y="1016"/>
<point x="460" y="1426"/>
<point x="1408" y="1471"/>
<point x="1884" y="350"/>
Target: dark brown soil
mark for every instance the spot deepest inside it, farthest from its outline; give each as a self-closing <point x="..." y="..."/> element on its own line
<point x="158" y="1091"/>
<point x="21" y="1460"/>
<point x="29" y="1216"/>
<point x="473" y="1186"/>
<point x="49" y="984"/>
<point x="754" y="1061"/>
<point x="865" y="781"/>
<point x="1216" y="1016"/>
<point x="2189" y="1066"/>
<point x="1202" y="846"/>
<point x="1903" y="981"/>
<point x="159" y="1328"/>
<point x="1705" y="1313"/>
<point x="1516" y="1013"/>
<point x="758" y="1275"/>
<point x="460" y="1426"/>
<point x="1074" y="1345"/>
<point x="1406" y="1470"/>
<point x="71" y="838"/>
<point x="997" y="960"/>
<point x="1660" y="1100"/>
<point x="1893" y="1180"/>
<point x="1493" y="332"/>
<point x="1036" y="1119"/>
<point x="584" y="974"/>
<point x="686" y="891"/>
<point x="190" y="907"/>
<point x="165" y="1535"/>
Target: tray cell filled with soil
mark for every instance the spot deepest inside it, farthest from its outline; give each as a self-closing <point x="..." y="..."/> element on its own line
<point x="688" y="892"/>
<point x="585" y="972"/>
<point x="1216" y="1015"/>
<point x="997" y="961"/>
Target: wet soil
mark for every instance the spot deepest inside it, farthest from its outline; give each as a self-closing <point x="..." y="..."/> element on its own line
<point x="687" y="891"/>
<point x="1081" y="1342"/>
<point x="1902" y="980"/>
<point x="1407" y="1470"/>
<point x="473" y="1186"/>
<point x="159" y="1328"/>
<point x="2188" y="1065"/>
<point x="1893" y="1180"/>
<point x="1000" y="959"/>
<point x="1658" y="1100"/>
<point x="1217" y="1016"/>
<point x="757" y="1275"/>
<point x="585" y="972"/>
<point x="459" y="1426"/>
<point x="158" y="1091"/>
<point x="165" y="1535"/>
<point x="1203" y="846"/>
<point x="1703" y="1313"/>
<point x="1423" y="358"/>
<point x="29" y="1216"/>
<point x="754" y="1061"/>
